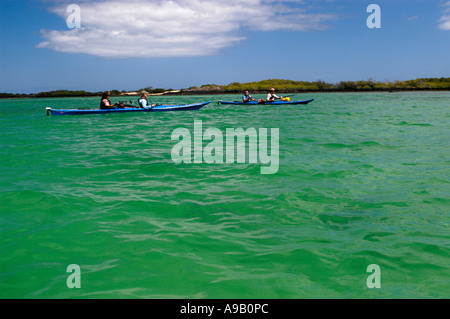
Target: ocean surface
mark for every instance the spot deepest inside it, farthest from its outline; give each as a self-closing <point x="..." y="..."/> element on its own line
<point x="363" y="179"/>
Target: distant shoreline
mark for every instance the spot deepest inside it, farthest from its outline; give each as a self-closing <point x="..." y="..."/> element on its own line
<point x="189" y="93"/>
<point x="304" y="92"/>
<point x="262" y="87"/>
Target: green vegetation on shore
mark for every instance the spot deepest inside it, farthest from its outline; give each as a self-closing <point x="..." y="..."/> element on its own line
<point x="287" y="86"/>
<point x="290" y="86"/>
<point x="58" y="93"/>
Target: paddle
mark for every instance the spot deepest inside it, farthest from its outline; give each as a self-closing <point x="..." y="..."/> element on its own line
<point x="282" y="97"/>
<point x="285" y="96"/>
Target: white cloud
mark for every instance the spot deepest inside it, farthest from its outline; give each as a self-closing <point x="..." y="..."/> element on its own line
<point x="445" y="22"/>
<point x="445" y="19"/>
<point x="175" y="28"/>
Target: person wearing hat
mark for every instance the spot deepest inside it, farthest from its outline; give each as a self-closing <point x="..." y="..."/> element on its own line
<point x="143" y="103"/>
<point x="272" y="96"/>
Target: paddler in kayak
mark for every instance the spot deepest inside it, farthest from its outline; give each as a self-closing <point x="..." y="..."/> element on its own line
<point x="247" y="98"/>
<point x="106" y="103"/>
<point x="143" y="103"/>
<point x="271" y="97"/>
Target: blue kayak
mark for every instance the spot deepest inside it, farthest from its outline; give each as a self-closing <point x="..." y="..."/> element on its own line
<point x="182" y="107"/>
<point x="265" y="102"/>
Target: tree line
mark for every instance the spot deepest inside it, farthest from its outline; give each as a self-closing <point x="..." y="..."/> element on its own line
<point x="69" y="93"/>
<point x="321" y="86"/>
<point x="288" y="86"/>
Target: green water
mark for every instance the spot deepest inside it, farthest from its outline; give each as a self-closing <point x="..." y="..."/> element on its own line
<point x="363" y="179"/>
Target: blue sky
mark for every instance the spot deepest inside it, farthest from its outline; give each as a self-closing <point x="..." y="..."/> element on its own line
<point x="127" y="45"/>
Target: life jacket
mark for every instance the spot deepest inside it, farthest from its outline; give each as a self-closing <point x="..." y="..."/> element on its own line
<point x="247" y="98"/>
<point x="103" y="104"/>
<point x="139" y="101"/>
